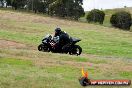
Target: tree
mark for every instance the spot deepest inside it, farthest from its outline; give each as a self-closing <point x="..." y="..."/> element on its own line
<point x="18" y="4"/>
<point x="67" y="8"/>
<point x="78" y="11"/>
<point x="57" y="8"/>
<point x="48" y="3"/>
<point x="121" y="20"/>
<point x="14" y="4"/>
<point x="96" y="16"/>
<point x="9" y="3"/>
<point x="62" y="8"/>
<point x="2" y="3"/>
<point x="38" y="5"/>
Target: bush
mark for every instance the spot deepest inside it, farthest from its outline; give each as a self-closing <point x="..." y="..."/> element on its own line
<point x="96" y="16"/>
<point x="121" y="20"/>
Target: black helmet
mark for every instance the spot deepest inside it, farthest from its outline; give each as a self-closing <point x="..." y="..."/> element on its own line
<point x="57" y="31"/>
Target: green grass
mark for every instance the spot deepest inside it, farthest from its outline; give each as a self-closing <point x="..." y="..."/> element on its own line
<point x="20" y="73"/>
<point x="107" y="43"/>
<point x="106" y="53"/>
<point x="16" y="73"/>
<point x="11" y="61"/>
<point x="126" y="74"/>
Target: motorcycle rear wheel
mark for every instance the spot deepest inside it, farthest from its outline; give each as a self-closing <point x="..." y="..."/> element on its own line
<point x="77" y="50"/>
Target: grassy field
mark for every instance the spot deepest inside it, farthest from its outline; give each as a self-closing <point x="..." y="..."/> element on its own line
<point x="107" y="53"/>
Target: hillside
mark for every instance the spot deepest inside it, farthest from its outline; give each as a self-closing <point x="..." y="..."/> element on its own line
<point x="108" y="14"/>
<point x="106" y="53"/>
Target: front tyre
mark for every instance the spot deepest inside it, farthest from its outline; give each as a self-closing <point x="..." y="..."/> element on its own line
<point x="40" y="47"/>
<point x="44" y="48"/>
<point x="77" y="50"/>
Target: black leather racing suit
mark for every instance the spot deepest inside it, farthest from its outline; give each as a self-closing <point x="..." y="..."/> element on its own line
<point x="64" y="40"/>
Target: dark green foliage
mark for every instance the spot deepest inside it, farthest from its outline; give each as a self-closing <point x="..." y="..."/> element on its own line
<point x="62" y="8"/>
<point x="121" y="20"/>
<point x="56" y="9"/>
<point x="1" y="2"/>
<point x="15" y="4"/>
<point x="8" y="3"/>
<point x="18" y="4"/>
<point x="67" y="8"/>
<point x="96" y="16"/>
<point x="77" y="11"/>
<point x="40" y="6"/>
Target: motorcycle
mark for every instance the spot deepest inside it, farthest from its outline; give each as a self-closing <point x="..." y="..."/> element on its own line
<point x="48" y="45"/>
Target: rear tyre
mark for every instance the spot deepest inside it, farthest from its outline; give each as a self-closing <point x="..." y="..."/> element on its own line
<point x="77" y="50"/>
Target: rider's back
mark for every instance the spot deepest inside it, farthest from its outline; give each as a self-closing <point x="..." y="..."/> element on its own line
<point x="64" y="38"/>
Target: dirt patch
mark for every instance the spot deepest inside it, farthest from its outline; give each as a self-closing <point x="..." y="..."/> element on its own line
<point x="10" y="44"/>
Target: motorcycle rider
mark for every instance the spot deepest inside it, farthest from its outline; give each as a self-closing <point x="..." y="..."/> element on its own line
<point x="63" y="39"/>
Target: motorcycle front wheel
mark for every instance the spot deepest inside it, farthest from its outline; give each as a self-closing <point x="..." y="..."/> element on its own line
<point x="43" y="48"/>
<point x="40" y="47"/>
